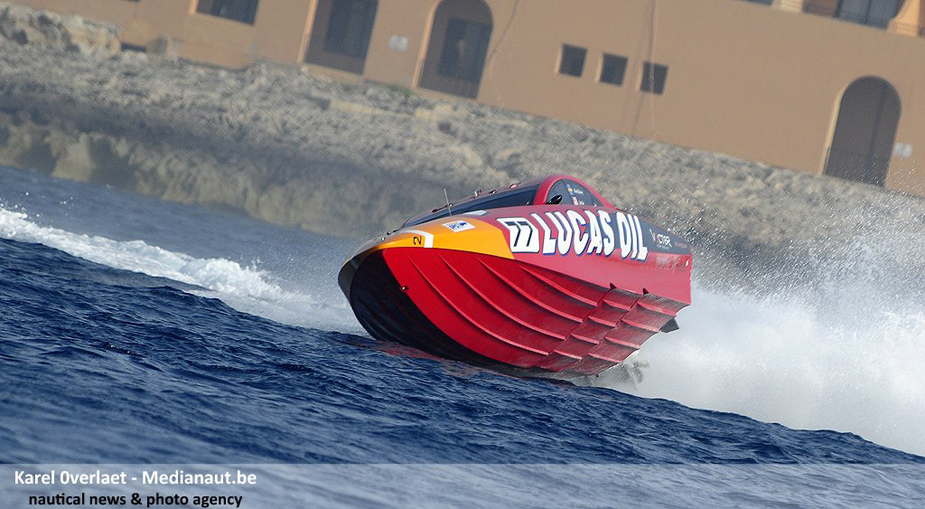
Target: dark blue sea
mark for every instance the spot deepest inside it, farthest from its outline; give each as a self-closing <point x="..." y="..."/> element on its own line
<point x="138" y="332"/>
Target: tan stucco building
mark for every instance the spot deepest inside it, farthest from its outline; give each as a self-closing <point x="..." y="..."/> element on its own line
<point x="820" y="86"/>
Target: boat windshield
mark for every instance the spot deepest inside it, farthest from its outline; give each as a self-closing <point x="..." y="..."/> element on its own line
<point x="572" y="193"/>
<point x="508" y="198"/>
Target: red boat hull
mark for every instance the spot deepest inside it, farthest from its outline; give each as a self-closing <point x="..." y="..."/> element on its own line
<point x="499" y="312"/>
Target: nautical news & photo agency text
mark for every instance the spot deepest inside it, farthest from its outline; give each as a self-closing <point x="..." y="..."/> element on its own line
<point x="63" y="479"/>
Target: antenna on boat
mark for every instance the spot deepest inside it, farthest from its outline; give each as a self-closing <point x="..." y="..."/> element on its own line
<point x="447" y="197"/>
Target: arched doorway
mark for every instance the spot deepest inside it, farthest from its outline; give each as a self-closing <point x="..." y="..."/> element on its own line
<point x="865" y="131"/>
<point x="458" y="45"/>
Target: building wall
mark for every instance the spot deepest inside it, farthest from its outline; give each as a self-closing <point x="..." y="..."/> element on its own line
<point x="410" y="19"/>
<point x="754" y="81"/>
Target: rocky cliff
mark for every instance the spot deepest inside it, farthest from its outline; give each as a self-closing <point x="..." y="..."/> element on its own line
<point x="22" y="25"/>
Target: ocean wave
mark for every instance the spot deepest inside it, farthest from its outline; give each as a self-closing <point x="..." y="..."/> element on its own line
<point x="246" y="288"/>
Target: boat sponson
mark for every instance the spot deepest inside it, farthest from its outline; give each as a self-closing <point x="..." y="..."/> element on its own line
<point x="486" y="310"/>
<point x="388" y="314"/>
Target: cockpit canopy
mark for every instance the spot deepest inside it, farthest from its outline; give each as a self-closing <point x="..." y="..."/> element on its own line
<point x="571" y="193"/>
<point x="551" y="190"/>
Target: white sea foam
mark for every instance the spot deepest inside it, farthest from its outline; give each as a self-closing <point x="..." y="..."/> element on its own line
<point x="247" y="289"/>
<point x="844" y="351"/>
<point x="778" y="359"/>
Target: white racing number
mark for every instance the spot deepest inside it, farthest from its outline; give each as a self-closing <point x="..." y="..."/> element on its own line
<point x="421" y="238"/>
<point x="525" y="237"/>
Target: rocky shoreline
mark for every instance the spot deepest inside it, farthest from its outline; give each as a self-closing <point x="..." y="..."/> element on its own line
<point x="293" y="148"/>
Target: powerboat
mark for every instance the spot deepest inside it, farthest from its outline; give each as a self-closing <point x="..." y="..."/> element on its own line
<point x="540" y="277"/>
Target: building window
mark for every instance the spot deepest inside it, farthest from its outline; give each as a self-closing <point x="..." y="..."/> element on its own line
<point x="613" y="68"/>
<point x="875" y="13"/>
<point x="573" y="60"/>
<point x="244" y="11"/>
<point x="464" y="50"/>
<point x="653" y="78"/>
<point x="350" y="27"/>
